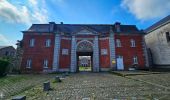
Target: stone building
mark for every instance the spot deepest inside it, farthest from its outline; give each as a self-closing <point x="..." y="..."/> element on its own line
<point x="57" y="47"/>
<point x="158" y="41"/>
<point x="7" y="51"/>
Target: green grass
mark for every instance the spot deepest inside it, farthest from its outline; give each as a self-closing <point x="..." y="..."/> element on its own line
<point x="12" y="79"/>
<point x="84" y="68"/>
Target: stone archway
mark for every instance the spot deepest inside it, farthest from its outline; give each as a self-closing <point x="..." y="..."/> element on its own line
<point x="84" y="48"/>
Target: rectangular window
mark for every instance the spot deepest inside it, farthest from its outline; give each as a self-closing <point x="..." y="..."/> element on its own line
<point x="48" y="43"/>
<point x="32" y="42"/>
<point x="45" y="63"/>
<point x="168" y="36"/>
<point x="103" y="51"/>
<point x="64" y="51"/>
<point x="135" y="60"/>
<point x="132" y="41"/>
<point x="118" y="43"/>
<point x="29" y="63"/>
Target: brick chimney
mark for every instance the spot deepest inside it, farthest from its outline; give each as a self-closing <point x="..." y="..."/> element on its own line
<point x="117" y="26"/>
<point x="61" y="23"/>
<point x="51" y="26"/>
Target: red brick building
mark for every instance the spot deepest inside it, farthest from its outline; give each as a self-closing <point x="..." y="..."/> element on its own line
<point x="57" y="47"/>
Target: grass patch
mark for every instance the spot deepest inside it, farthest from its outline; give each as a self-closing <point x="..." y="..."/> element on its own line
<point x="84" y="68"/>
<point x="12" y="79"/>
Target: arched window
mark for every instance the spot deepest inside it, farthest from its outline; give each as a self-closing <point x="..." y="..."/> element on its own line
<point x="132" y="41"/>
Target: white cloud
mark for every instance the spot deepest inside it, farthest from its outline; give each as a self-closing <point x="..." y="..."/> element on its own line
<point x="26" y="14"/>
<point x="147" y="9"/>
<point x="4" y="41"/>
<point x="10" y="13"/>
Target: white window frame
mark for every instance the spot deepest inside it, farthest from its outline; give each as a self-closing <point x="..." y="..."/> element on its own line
<point x="103" y="51"/>
<point x="133" y="44"/>
<point x="45" y="63"/>
<point x="135" y="60"/>
<point x="29" y="63"/>
<point x="48" y="43"/>
<point x="32" y="42"/>
<point x="118" y="43"/>
<point x="64" y="51"/>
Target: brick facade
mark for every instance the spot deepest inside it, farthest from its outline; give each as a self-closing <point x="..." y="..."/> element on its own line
<point x="39" y="52"/>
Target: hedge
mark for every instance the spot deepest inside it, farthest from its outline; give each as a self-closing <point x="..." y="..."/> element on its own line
<point x="3" y="67"/>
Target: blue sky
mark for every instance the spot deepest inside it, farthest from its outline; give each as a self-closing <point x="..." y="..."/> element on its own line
<point x="18" y="15"/>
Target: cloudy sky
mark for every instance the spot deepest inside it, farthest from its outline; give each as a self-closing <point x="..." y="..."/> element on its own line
<point x="18" y="15"/>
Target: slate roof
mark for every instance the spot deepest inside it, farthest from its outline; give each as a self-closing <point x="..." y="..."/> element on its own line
<point x="158" y="24"/>
<point x="1" y="47"/>
<point x="73" y="28"/>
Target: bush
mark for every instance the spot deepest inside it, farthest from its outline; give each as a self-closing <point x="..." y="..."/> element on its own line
<point x="3" y="67"/>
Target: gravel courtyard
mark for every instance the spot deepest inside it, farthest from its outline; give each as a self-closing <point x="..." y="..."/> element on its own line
<point x="103" y="86"/>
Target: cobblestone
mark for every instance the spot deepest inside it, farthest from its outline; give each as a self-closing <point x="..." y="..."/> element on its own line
<point x="97" y="86"/>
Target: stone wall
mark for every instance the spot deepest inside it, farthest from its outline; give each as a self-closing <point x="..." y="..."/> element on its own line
<point x="160" y="48"/>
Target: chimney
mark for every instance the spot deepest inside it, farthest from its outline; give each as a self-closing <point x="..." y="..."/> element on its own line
<point x="117" y="26"/>
<point x="61" y="23"/>
<point x="51" y="26"/>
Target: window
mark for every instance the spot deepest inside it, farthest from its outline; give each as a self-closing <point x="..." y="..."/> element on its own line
<point x="45" y="63"/>
<point x="64" y="51"/>
<point x="118" y="43"/>
<point x="168" y="36"/>
<point x="135" y="60"/>
<point x="6" y="53"/>
<point x="103" y="51"/>
<point x="29" y="63"/>
<point x="48" y="43"/>
<point x="32" y="42"/>
<point x="132" y="41"/>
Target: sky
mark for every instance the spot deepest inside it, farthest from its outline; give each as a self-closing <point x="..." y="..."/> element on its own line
<point x="19" y="15"/>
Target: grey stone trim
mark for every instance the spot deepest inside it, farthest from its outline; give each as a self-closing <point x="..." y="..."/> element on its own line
<point x="96" y="55"/>
<point x="112" y="50"/>
<point x="145" y="53"/>
<point x="66" y="38"/>
<point x="56" y="53"/>
<point x="105" y="38"/>
<point x="86" y="38"/>
<point x="73" y="55"/>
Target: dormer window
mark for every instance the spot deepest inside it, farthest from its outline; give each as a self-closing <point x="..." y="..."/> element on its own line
<point x="132" y="41"/>
<point x="47" y="43"/>
<point x="32" y="42"/>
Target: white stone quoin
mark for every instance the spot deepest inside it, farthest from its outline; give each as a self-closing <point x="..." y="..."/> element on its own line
<point x="56" y="53"/>
<point x="73" y="54"/>
<point x="112" y="49"/>
<point x="96" y="55"/>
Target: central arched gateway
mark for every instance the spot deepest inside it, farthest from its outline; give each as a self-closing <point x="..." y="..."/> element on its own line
<point x="84" y="53"/>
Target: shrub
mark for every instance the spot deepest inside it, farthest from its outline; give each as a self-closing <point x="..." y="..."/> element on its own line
<point x="3" y="67"/>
